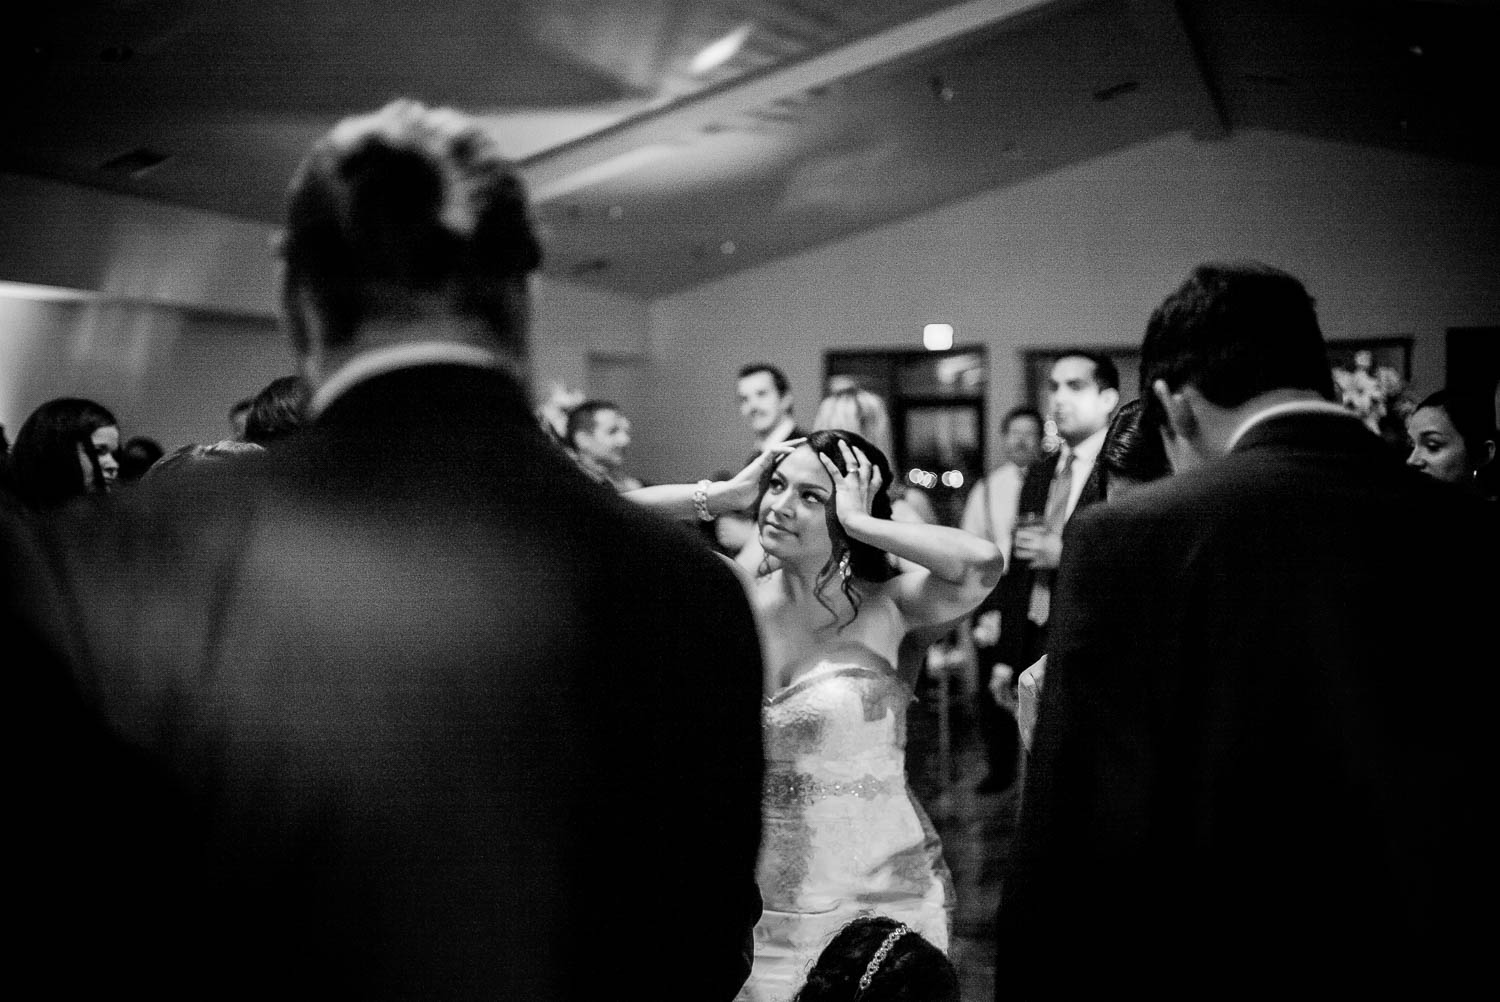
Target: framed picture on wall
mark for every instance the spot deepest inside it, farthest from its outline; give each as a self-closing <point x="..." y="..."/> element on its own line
<point x="1370" y="377"/>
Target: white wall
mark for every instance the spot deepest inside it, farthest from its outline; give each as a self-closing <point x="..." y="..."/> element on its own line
<point x="1387" y="244"/>
<point x="174" y="313"/>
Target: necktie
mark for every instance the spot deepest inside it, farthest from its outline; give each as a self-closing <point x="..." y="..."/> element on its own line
<point x="1056" y="516"/>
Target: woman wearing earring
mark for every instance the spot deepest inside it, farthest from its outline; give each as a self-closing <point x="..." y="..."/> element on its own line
<point x="1453" y="440"/>
<point x="842" y="834"/>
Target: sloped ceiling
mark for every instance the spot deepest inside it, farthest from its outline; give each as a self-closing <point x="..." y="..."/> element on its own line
<point x="822" y="117"/>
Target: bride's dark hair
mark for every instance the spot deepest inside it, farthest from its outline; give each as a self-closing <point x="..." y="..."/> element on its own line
<point x="865" y="562"/>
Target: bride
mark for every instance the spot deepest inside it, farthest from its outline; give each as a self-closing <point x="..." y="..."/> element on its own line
<point x="842" y="834"/>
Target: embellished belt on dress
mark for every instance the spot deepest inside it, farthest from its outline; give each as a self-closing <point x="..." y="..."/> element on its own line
<point x="788" y="789"/>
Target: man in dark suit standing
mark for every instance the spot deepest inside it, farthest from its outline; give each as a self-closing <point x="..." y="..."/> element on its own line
<point x="1084" y="390"/>
<point x="421" y="711"/>
<point x="1234" y="786"/>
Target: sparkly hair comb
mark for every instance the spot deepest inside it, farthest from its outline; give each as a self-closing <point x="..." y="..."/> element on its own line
<point x="880" y="955"/>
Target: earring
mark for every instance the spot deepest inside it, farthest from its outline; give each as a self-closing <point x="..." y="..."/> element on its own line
<point x="844" y="567"/>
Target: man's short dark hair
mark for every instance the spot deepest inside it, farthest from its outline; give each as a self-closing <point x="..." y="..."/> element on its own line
<point x="1106" y="373"/>
<point x="400" y="212"/>
<point x="278" y="410"/>
<point x="583" y="417"/>
<point x="1234" y="331"/>
<point x="783" y="387"/>
<point x="1023" y="411"/>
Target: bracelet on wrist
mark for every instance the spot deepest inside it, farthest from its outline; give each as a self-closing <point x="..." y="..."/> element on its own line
<point x="700" y="501"/>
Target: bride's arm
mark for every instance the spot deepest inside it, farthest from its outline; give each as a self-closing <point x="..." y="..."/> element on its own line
<point x="676" y="500"/>
<point x="955" y="569"/>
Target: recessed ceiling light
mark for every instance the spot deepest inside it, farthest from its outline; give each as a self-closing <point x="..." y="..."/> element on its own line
<point x="716" y="54"/>
<point x="727" y="247"/>
<point x="937" y="337"/>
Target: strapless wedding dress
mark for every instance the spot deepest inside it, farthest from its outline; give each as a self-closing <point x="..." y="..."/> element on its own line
<point x="843" y="835"/>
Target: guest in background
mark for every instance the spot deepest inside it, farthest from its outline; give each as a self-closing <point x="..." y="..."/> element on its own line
<point x="865" y="413"/>
<point x="1132" y="456"/>
<point x="65" y="449"/>
<point x="765" y="398"/>
<point x="136" y="457"/>
<point x="990" y="510"/>
<point x="239" y="413"/>
<point x="1452" y="439"/>
<point x="277" y="411"/>
<point x="877" y="959"/>
<point x="598" y="435"/>
<point x="1084" y="390"/>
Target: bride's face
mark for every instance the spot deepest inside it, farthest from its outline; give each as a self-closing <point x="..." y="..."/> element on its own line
<point x="793" y="514"/>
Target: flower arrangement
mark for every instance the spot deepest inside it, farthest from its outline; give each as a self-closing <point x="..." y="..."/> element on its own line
<point x="1376" y="394"/>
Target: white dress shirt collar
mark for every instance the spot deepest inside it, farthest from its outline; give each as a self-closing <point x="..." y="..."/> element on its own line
<point x="367" y="365"/>
<point x="1288" y="407"/>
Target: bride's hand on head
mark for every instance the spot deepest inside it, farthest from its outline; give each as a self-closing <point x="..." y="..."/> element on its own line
<point x="740" y="490"/>
<point x="854" y="490"/>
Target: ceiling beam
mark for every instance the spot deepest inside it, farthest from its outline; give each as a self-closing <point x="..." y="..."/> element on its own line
<point x="622" y="148"/>
<point x="1171" y="44"/>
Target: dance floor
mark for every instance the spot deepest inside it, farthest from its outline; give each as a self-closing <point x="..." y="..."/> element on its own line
<point x="976" y="828"/>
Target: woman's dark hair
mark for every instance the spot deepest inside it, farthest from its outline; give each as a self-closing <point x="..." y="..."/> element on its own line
<point x="913" y="970"/>
<point x="1132" y="446"/>
<point x="44" y="460"/>
<point x="1471" y="417"/>
<point x="866" y="562"/>
<point x="278" y="410"/>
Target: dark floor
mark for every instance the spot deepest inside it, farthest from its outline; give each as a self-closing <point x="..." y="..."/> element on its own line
<point x="976" y="829"/>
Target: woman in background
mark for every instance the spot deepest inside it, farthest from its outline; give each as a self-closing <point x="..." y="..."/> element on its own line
<point x="842" y="833"/>
<point x="865" y="414"/>
<point x="65" y="449"/>
<point x="1453" y="440"/>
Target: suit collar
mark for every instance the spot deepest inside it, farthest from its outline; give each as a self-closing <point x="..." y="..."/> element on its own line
<point x="444" y="394"/>
<point x="369" y="364"/>
<point x="1284" y="409"/>
<point x="1293" y="424"/>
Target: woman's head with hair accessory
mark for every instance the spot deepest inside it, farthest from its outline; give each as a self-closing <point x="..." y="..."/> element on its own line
<point x="798" y="520"/>
<point x="878" y="959"/>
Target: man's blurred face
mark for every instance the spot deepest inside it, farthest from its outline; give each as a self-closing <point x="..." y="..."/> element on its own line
<point x="1022" y="440"/>
<point x="1079" y="406"/>
<point x="607" y="442"/>
<point x="760" y="405"/>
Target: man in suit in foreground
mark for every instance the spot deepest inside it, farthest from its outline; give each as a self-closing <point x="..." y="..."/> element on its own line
<point x="1237" y="786"/>
<point x="417" y="711"/>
